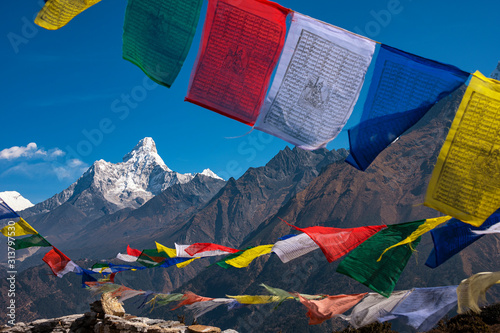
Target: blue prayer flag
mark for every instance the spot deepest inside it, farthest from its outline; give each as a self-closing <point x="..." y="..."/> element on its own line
<point x="403" y="88"/>
<point x="6" y="212"/>
<point x="455" y="236"/>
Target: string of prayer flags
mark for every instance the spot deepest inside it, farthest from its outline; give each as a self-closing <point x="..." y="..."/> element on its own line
<point x="294" y="247"/>
<point x="31" y="241"/>
<point x="403" y="88"/>
<point x="190" y="298"/>
<point x="246" y="257"/>
<point x="317" y="83"/>
<point x="56" y="14"/>
<point x="320" y="310"/>
<point x="424" y="307"/>
<point x="455" y="236"/>
<point x="157" y="36"/>
<point x="428" y="225"/>
<point x="472" y="291"/>
<point x="465" y="182"/>
<point x="20" y="228"/>
<point x="59" y="263"/>
<point x="6" y="212"/>
<point x="373" y="307"/>
<point x="210" y="248"/>
<point x="381" y="276"/>
<point x="200" y="308"/>
<point x="335" y="242"/>
<point x="240" y="46"/>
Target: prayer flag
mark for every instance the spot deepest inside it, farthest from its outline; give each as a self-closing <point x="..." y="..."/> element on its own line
<point x="240" y="46"/>
<point x="294" y="247"/>
<point x="256" y="299"/>
<point x="373" y="307"/>
<point x="200" y="308"/>
<point x="152" y="258"/>
<point x="222" y="262"/>
<point x="157" y="36"/>
<point x="20" y="228"/>
<point x="381" y="276"/>
<point x="209" y="247"/>
<point x="324" y="309"/>
<point x="172" y="253"/>
<point x="465" y="182"/>
<point x="335" y="242"/>
<point x="403" y="88"/>
<point x="428" y="225"/>
<point x="190" y="298"/>
<point x="164" y="299"/>
<point x="59" y="263"/>
<point x="494" y="229"/>
<point x="282" y="294"/>
<point x="56" y="14"/>
<point x="424" y="307"/>
<point x="472" y="291"/>
<point x="6" y="212"/>
<point x="245" y="258"/>
<point x="32" y="241"/>
<point x="317" y="83"/>
<point x="454" y="237"/>
<point x="133" y="252"/>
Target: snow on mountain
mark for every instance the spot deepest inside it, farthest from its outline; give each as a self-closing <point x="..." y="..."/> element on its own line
<point x="142" y="175"/>
<point x="15" y="200"/>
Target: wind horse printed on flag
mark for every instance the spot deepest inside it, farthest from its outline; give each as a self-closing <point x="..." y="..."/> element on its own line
<point x="157" y="36"/>
<point x="465" y="182"/>
<point x="317" y="83"/>
<point x="403" y="88"/>
<point x="240" y="46"/>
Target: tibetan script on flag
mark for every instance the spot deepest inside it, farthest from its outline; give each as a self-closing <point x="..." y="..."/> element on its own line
<point x="56" y="14"/>
<point x="240" y="47"/>
<point x="465" y="182"/>
<point x="403" y="88"/>
<point x="317" y="83"/>
<point x="157" y="36"/>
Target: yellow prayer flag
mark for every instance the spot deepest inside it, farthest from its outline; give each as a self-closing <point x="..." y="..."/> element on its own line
<point x="172" y="254"/>
<point x="427" y="226"/>
<point x="57" y="13"/>
<point x="256" y="299"/>
<point x="465" y="182"/>
<point x="20" y="228"/>
<point x="244" y="259"/>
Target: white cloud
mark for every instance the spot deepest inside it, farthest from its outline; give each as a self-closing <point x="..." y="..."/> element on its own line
<point x="30" y="151"/>
<point x="69" y="170"/>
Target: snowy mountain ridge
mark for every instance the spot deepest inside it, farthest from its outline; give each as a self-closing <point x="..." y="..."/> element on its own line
<point x="129" y="184"/>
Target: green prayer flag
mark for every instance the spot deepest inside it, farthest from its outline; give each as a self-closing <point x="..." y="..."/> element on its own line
<point x="32" y="241"/>
<point x="361" y="264"/>
<point x="157" y="36"/>
<point x="152" y="258"/>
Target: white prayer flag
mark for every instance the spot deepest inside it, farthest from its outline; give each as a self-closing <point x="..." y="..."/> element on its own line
<point x="294" y="247"/>
<point x="494" y="229"/>
<point x="318" y="80"/>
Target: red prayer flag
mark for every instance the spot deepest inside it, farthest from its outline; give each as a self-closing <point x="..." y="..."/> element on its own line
<point x="190" y="298"/>
<point x="241" y="44"/>
<point x="321" y="310"/>
<point x="336" y="242"/>
<point x="204" y="247"/>
<point x="56" y="260"/>
<point x="133" y="252"/>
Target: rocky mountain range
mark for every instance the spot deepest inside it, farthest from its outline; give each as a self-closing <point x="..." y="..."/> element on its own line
<point x="304" y="188"/>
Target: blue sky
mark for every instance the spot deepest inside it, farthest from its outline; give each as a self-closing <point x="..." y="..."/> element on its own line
<point x="58" y="86"/>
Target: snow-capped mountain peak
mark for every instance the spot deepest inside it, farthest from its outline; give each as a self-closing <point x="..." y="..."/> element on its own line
<point x="210" y="173"/>
<point x="145" y="150"/>
<point x="15" y="200"/>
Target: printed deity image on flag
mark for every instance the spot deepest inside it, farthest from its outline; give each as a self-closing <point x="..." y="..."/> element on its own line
<point x="317" y="83"/>
<point x="240" y="47"/>
<point x="465" y="182"/>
